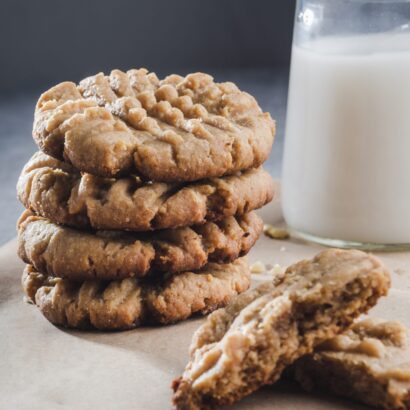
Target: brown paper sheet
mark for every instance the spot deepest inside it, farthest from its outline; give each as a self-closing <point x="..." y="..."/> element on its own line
<point x="44" y="367"/>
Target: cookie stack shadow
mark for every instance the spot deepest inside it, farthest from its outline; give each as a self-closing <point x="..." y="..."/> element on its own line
<point x="140" y="203"/>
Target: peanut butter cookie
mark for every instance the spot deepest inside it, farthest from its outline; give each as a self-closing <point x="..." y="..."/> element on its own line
<point x="175" y="129"/>
<point x="250" y="342"/>
<point x="57" y="191"/>
<point x="369" y="363"/>
<point x="127" y="303"/>
<point x="78" y="255"/>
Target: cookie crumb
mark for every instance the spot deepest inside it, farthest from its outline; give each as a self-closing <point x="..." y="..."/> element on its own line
<point x="276" y="270"/>
<point x="275" y="233"/>
<point x="399" y="271"/>
<point x="258" y="267"/>
<point x="27" y="300"/>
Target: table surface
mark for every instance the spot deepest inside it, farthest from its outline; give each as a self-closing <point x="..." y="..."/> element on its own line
<point x="269" y="86"/>
<point x="44" y="367"/>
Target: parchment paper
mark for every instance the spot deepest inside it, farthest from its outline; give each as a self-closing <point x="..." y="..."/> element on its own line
<point x="44" y="367"/>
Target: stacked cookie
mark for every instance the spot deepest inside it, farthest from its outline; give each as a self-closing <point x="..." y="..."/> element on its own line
<point x="140" y="202"/>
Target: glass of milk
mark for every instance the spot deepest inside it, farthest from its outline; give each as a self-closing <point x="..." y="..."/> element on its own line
<point x="346" y="172"/>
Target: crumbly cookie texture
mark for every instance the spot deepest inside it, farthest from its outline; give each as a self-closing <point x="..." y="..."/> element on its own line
<point x="175" y="129"/>
<point x="127" y="303"/>
<point x="369" y="363"/>
<point x="55" y="190"/>
<point x="79" y="255"/>
<point x="250" y="342"/>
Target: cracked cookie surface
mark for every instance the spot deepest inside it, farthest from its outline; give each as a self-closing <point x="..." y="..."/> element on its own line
<point x="78" y="255"/>
<point x="175" y="129"/>
<point x="55" y="190"/>
<point x="369" y="363"/>
<point x="127" y="303"/>
<point x="250" y="342"/>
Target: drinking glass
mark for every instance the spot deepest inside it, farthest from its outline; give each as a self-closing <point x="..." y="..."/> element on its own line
<point x="346" y="168"/>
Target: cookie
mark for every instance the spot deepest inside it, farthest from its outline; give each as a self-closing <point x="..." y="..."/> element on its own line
<point x="369" y="363"/>
<point x="175" y="129"/>
<point x="250" y="342"/>
<point x="108" y="255"/>
<point x="55" y="190"/>
<point x="127" y="303"/>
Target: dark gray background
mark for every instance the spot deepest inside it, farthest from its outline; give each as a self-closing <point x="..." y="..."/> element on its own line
<point x="43" y="42"/>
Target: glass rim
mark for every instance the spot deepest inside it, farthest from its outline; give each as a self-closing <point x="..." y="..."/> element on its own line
<point x="364" y="1"/>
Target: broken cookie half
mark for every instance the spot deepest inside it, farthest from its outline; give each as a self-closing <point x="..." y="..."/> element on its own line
<point x="369" y="363"/>
<point x="250" y="342"/>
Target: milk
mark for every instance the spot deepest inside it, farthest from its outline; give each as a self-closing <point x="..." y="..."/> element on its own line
<point x="346" y="168"/>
